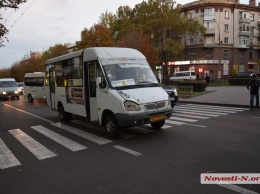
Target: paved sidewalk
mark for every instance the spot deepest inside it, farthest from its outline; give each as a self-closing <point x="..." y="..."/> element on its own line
<point x="224" y="95"/>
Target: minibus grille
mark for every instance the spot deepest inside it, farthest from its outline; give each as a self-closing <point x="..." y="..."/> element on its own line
<point x="155" y="105"/>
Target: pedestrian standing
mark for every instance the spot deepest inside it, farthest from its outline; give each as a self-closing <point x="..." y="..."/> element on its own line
<point x="207" y="78"/>
<point x="253" y="86"/>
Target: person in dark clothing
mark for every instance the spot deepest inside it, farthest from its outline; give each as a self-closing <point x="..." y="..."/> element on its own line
<point x="207" y="78"/>
<point x="253" y="86"/>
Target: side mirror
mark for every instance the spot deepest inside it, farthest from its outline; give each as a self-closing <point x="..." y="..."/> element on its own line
<point x="100" y="83"/>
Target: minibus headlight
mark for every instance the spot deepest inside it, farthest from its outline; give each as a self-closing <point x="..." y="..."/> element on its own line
<point x="4" y="92"/>
<point x="131" y="106"/>
<point x="16" y="92"/>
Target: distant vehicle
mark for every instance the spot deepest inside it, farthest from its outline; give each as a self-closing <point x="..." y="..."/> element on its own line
<point x="243" y="74"/>
<point x="20" y="87"/>
<point x="34" y="86"/>
<point x="183" y="75"/>
<point x="8" y="88"/>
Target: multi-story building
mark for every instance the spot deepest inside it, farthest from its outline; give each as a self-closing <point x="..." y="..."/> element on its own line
<point x="231" y="42"/>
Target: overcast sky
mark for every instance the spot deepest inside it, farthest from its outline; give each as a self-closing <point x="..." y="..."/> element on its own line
<point x="39" y="24"/>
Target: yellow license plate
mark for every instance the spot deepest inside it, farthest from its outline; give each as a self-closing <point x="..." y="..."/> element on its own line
<point x="157" y="118"/>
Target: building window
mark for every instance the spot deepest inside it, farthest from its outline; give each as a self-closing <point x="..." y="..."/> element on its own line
<point x="226" y="14"/>
<point x="251" y="55"/>
<point x="209" y="24"/>
<point x="241" y="54"/>
<point x="192" y="55"/>
<point x="244" y="28"/>
<point x="209" y="40"/>
<point x="191" y="15"/>
<point x="252" y="17"/>
<point x="243" y="40"/>
<point x="226" y="28"/>
<point x="226" y="54"/>
<point x="209" y="12"/>
<point x="208" y="54"/>
<point x="192" y="41"/>
<point x="226" y="40"/>
<point x="244" y="15"/>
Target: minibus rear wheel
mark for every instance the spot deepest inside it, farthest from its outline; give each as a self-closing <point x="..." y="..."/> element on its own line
<point x="112" y="127"/>
<point x="30" y="98"/>
<point x="158" y="125"/>
<point x="64" y="116"/>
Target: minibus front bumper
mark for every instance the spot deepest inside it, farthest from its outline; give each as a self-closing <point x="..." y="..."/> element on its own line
<point x="131" y="120"/>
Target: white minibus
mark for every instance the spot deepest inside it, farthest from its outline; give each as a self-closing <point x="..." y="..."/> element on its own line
<point x="114" y="87"/>
<point x="8" y="88"/>
<point x="183" y="75"/>
<point x="34" y="86"/>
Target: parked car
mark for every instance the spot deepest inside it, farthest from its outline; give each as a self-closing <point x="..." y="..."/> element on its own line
<point x="173" y="94"/>
<point x="20" y="87"/>
<point x="243" y="74"/>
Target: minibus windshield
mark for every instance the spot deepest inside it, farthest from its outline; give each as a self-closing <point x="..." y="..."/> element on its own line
<point x="6" y="84"/>
<point x="130" y="74"/>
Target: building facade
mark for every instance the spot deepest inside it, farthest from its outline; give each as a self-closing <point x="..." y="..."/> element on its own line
<point x="230" y="44"/>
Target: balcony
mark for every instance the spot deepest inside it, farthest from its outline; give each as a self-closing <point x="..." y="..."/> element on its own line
<point x="244" y="20"/>
<point x="243" y="46"/>
<point x="210" y="31"/>
<point x="244" y="33"/>
<point x="207" y="45"/>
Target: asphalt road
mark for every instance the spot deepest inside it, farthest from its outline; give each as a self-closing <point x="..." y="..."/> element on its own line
<point x="197" y="139"/>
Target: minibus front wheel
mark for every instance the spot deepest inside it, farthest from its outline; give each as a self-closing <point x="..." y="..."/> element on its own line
<point x="112" y="127"/>
<point x="158" y="125"/>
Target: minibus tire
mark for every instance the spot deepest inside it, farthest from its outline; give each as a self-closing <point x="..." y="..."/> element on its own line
<point x="112" y="127"/>
<point x="30" y="98"/>
<point x="158" y="125"/>
<point x="64" y="116"/>
<point x="17" y="97"/>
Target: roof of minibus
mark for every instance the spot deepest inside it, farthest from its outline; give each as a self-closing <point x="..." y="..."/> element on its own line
<point x="94" y="53"/>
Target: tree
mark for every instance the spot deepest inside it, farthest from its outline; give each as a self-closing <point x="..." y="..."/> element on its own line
<point x="7" y="4"/>
<point x="55" y="51"/>
<point x="97" y="36"/>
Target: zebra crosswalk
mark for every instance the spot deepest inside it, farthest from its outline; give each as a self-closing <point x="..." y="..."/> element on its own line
<point x="187" y="114"/>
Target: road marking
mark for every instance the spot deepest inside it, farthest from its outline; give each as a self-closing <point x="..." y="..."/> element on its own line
<point x="183" y="119"/>
<point x="237" y="189"/>
<point x="70" y="144"/>
<point x="217" y="107"/>
<point x="49" y="121"/>
<point x="174" y="122"/>
<point x="191" y="116"/>
<point x="7" y="159"/>
<point x="127" y="150"/>
<point x="32" y="145"/>
<point x="199" y="111"/>
<point x="195" y="113"/>
<point x="83" y="134"/>
<point x="205" y="109"/>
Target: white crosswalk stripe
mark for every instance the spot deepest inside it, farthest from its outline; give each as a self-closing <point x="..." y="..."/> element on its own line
<point x="40" y="151"/>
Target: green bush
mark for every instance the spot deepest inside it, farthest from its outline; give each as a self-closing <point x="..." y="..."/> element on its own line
<point x="238" y="81"/>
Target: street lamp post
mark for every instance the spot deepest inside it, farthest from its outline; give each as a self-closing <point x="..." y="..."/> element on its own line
<point x="219" y="57"/>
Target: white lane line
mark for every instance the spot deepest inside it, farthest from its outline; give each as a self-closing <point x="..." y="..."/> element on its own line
<point x="238" y="189"/>
<point x="217" y="107"/>
<point x="49" y="121"/>
<point x="190" y="116"/>
<point x="83" y="134"/>
<point x="127" y="150"/>
<point x="183" y="119"/>
<point x="199" y="111"/>
<point x="195" y="113"/>
<point x="202" y="126"/>
<point x="206" y="109"/>
<point x="7" y="159"/>
<point x="70" y="144"/>
<point x="40" y="151"/>
<point x="166" y="126"/>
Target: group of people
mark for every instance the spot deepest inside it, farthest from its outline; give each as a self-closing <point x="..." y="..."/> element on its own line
<point x="253" y="86"/>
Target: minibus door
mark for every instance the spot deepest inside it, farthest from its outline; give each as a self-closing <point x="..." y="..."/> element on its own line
<point x="52" y="88"/>
<point x="91" y="96"/>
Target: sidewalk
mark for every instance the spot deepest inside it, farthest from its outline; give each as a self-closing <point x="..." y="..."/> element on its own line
<point x="224" y="95"/>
